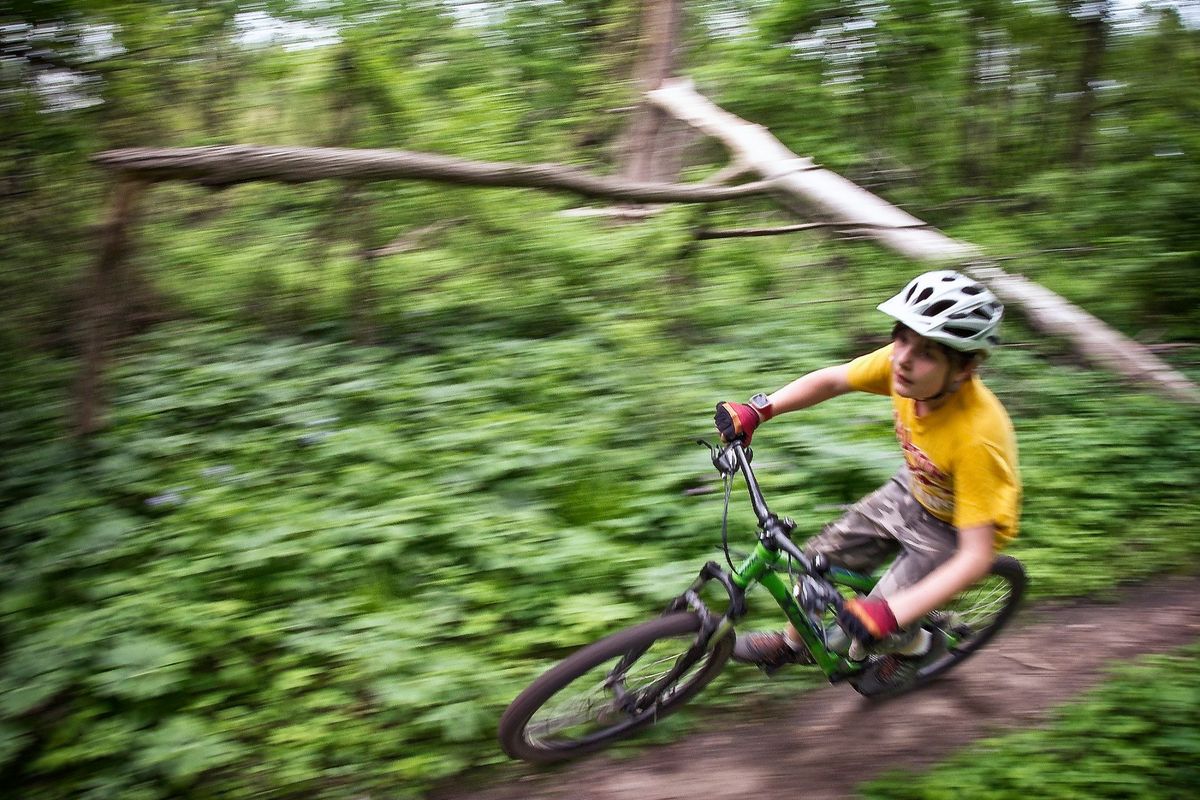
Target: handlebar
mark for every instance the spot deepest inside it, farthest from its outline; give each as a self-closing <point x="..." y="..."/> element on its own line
<point x="815" y="592"/>
<point x="776" y="531"/>
<point x="735" y="457"/>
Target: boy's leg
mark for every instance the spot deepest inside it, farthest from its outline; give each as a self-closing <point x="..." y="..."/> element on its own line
<point x="869" y="534"/>
<point x="888" y="521"/>
<point x="865" y="535"/>
<point x="925" y="543"/>
<point x="854" y="541"/>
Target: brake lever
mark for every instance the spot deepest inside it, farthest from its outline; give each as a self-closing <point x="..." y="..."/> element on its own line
<point x="720" y="458"/>
<point x="723" y="459"/>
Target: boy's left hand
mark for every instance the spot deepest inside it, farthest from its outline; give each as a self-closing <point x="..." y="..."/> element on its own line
<point x="736" y="421"/>
<point x="868" y="619"/>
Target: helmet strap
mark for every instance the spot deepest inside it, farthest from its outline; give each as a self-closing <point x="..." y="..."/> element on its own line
<point x="948" y="388"/>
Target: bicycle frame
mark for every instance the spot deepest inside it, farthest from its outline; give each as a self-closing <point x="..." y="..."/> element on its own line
<point x="774" y="544"/>
<point x="758" y="569"/>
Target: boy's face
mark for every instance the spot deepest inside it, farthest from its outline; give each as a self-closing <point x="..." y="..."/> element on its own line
<point x="920" y="367"/>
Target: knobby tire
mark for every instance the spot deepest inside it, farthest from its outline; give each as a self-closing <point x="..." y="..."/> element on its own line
<point x="528" y="742"/>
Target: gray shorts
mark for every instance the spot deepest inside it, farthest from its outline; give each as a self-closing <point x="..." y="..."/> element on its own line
<point x="888" y="522"/>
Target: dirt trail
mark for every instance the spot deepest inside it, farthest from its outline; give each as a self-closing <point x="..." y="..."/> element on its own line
<point x="1054" y="651"/>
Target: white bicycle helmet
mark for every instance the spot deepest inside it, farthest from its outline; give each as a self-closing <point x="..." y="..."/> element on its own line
<point x="950" y="308"/>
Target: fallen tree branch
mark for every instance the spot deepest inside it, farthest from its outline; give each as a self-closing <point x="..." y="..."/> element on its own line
<point x="723" y="176"/>
<point x="228" y="165"/>
<point x="1166" y="347"/>
<point x="730" y="233"/>
<point x="1097" y="342"/>
<point x="804" y="187"/>
<point x="614" y="212"/>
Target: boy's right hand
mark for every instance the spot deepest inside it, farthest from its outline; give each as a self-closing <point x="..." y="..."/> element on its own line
<point x="736" y="421"/>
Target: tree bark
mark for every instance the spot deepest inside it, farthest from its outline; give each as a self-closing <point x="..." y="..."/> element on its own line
<point x="1091" y="21"/>
<point x="734" y="233"/>
<point x="101" y="307"/>
<point x="652" y="145"/>
<point x="803" y="186"/>
<point x="229" y="165"/>
<point x="971" y="155"/>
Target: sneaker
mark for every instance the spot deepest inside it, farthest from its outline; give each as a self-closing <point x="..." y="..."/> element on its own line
<point x="893" y="673"/>
<point x="768" y="650"/>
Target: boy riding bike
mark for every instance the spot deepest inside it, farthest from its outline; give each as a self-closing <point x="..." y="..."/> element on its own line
<point x="954" y="503"/>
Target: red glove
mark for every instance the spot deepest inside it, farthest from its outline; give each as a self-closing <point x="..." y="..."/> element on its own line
<point x="868" y="620"/>
<point x="736" y="421"/>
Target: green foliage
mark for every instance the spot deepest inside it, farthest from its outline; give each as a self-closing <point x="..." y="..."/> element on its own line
<point x="296" y="567"/>
<point x="1134" y="736"/>
<point x="326" y="569"/>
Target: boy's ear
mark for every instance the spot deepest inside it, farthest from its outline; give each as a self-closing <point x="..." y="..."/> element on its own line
<point x="970" y="368"/>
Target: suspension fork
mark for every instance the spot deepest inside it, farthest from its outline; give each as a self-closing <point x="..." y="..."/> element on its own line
<point x="713" y="628"/>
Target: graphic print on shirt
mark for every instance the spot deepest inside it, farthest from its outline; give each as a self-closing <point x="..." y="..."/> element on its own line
<point x="933" y="487"/>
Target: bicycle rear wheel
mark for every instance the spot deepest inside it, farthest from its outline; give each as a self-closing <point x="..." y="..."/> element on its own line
<point x="972" y="617"/>
<point x="588" y="700"/>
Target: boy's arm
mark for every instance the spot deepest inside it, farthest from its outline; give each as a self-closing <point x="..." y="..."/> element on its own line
<point x="813" y="388"/>
<point x="739" y="420"/>
<point x="969" y="563"/>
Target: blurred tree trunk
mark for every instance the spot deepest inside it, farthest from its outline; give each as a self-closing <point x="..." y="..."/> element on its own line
<point x="1091" y="18"/>
<point x="346" y="118"/>
<point x="227" y="66"/>
<point x="363" y="294"/>
<point x="349" y="213"/>
<point x="970" y="169"/>
<point x="103" y="304"/>
<point x="651" y="148"/>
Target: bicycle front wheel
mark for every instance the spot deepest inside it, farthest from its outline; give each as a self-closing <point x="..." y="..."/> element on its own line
<point x="600" y="693"/>
<point x="972" y="617"/>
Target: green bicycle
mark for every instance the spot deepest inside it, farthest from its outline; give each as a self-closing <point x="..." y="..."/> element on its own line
<point x="610" y="689"/>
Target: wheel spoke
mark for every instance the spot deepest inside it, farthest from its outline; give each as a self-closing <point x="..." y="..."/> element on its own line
<point x="979" y="606"/>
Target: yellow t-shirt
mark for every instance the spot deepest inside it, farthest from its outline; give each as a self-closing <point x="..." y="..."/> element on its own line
<point x="962" y="457"/>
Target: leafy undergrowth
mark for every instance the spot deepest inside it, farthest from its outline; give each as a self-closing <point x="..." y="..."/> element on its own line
<point x="1134" y="736"/>
<point x="300" y="568"/>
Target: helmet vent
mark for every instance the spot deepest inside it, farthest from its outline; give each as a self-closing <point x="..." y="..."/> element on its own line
<point x="974" y="288"/>
<point x="924" y="295"/>
<point x="949" y="278"/>
<point x="938" y="307"/>
<point x="958" y="330"/>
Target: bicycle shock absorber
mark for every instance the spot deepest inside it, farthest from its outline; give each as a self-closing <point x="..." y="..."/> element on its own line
<point x="815" y="595"/>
